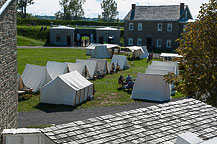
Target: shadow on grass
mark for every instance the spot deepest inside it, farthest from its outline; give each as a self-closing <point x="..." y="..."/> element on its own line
<point x="129" y="91"/>
<point x="49" y="108"/>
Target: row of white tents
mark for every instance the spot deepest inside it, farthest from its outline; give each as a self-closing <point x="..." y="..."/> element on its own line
<point x="57" y="80"/>
<point x="105" y="51"/>
<point x="151" y="84"/>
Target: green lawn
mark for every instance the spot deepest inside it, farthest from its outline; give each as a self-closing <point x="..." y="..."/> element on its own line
<point x="107" y="91"/>
<point x="25" y="41"/>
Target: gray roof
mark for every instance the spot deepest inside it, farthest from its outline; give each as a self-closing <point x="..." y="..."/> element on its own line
<point x="167" y="12"/>
<point x="156" y="124"/>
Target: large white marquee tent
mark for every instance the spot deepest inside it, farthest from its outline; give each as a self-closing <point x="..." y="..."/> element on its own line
<point x="34" y="77"/>
<point x="68" y="89"/>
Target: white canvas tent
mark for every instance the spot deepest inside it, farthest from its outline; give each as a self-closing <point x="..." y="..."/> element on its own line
<point x="80" y="67"/>
<point x="160" y="63"/>
<point x="92" y="67"/>
<point x="102" y="65"/>
<point x="172" y="55"/>
<point x="120" y="61"/>
<point x="139" y="51"/>
<point x="34" y="77"/>
<point x="109" y="67"/>
<point x="68" y="89"/>
<point x="153" y="71"/>
<point x="56" y="68"/>
<point x="151" y="87"/>
<point x="164" y="68"/>
<point x="103" y="50"/>
<point x="20" y="82"/>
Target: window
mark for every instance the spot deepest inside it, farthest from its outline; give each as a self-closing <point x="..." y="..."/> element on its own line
<point x="159" y="27"/>
<point x="168" y="44"/>
<point x="139" y="26"/>
<point x="130" y="26"/>
<point x="169" y="27"/>
<point x="58" y="37"/>
<point x="130" y="41"/>
<point x="159" y="43"/>
<point x="139" y="41"/>
<point x="186" y="14"/>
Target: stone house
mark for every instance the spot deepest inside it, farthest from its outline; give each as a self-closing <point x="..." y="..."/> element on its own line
<point x="8" y="65"/>
<point x="156" y="27"/>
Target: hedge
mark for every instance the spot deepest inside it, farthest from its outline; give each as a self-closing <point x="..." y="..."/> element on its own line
<point x="67" y="22"/>
<point x="33" y="32"/>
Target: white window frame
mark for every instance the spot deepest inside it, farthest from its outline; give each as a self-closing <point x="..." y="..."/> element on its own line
<point x="139" y="26"/>
<point x="169" y="26"/>
<point x="167" y="44"/>
<point x="159" y="41"/>
<point x="139" y="39"/>
<point x="129" y="41"/>
<point x="158" y="28"/>
<point x="130" y="26"/>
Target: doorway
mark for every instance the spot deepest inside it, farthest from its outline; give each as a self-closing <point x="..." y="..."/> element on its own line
<point x="69" y="41"/>
<point x="101" y="40"/>
<point x="149" y="42"/>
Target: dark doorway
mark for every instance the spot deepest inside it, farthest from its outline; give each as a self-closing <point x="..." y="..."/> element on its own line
<point x="69" y="40"/>
<point x="101" y="40"/>
<point x="149" y="43"/>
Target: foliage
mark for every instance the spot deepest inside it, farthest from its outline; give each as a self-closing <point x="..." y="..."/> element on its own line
<point x="33" y="32"/>
<point x="66" y="22"/>
<point x="71" y="10"/>
<point x="109" y="8"/>
<point x="198" y="46"/>
<point x="25" y="41"/>
<point x="22" y="4"/>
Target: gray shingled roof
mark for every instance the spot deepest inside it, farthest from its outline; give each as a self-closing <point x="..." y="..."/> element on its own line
<point x="156" y="124"/>
<point x="167" y="12"/>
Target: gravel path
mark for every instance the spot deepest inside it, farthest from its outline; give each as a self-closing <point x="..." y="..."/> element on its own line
<point x="42" y="118"/>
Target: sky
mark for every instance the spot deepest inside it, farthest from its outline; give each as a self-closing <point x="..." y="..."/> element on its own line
<point x="92" y="8"/>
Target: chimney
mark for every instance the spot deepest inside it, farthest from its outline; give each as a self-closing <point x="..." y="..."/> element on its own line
<point x="182" y="7"/>
<point x="133" y="6"/>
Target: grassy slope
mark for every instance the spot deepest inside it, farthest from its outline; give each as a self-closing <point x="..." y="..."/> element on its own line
<point x="25" y="41"/>
<point x="107" y="91"/>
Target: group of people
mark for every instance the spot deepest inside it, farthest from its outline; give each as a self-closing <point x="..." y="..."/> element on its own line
<point x="127" y="83"/>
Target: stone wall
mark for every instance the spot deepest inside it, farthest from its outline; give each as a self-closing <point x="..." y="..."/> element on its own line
<point x="8" y="67"/>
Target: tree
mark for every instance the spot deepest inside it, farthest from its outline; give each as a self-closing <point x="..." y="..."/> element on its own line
<point x="109" y="8"/>
<point x="198" y="46"/>
<point x="71" y="9"/>
<point x="22" y="4"/>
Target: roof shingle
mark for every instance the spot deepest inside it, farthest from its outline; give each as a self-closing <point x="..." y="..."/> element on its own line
<point x="156" y="124"/>
<point x="167" y="12"/>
